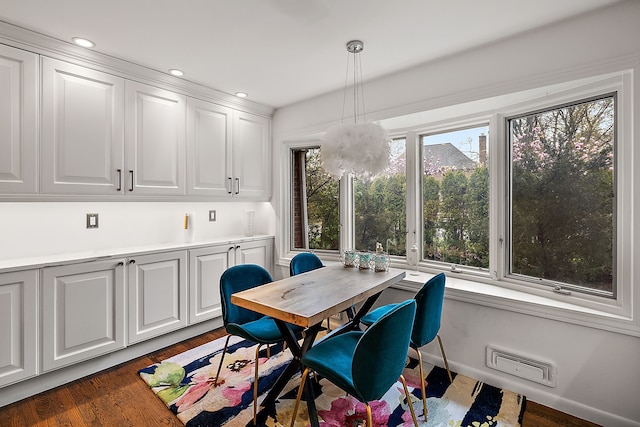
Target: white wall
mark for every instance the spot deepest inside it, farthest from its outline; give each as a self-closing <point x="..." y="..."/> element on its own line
<point x="34" y="229"/>
<point x="598" y="371"/>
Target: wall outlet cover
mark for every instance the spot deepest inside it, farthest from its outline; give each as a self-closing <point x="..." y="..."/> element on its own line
<point x="212" y="215"/>
<point x="92" y="220"/>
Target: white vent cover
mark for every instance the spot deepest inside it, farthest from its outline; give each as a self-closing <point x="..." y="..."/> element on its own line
<point x="521" y="366"/>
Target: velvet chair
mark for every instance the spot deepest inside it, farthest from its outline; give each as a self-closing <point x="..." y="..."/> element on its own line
<point x="245" y="323"/>
<point x="303" y="262"/>
<point x="364" y="364"/>
<point x="429" y="302"/>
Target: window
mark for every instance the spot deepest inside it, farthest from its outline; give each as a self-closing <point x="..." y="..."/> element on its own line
<point x="527" y="199"/>
<point x="562" y="224"/>
<point x="380" y="205"/>
<point x="455" y="197"/>
<point x="315" y="203"/>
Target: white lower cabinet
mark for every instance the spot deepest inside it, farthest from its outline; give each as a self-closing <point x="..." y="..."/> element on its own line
<point x="157" y="294"/>
<point x="206" y="265"/>
<point x="18" y="326"/>
<point x="82" y="312"/>
<point x="89" y="309"/>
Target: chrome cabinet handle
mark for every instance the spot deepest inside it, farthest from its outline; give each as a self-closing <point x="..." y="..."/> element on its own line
<point x="132" y="261"/>
<point x="237" y="185"/>
<point x="229" y="185"/>
<point x="120" y="264"/>
<point x="131" y="183"/>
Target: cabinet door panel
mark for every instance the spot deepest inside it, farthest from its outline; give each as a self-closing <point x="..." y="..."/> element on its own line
<point x="83" y="312"/>
<point x="251" y="156"/>
<point x="156" y="139"/>
<point x="208" y="148"/>
<point x="18" y="125"/>
<point x="18" y="325"/>
<point x="259" y="252"/>
<point x="205" y="268"/>
<point x="82" y="129"/>
<point x="157" y="295"/>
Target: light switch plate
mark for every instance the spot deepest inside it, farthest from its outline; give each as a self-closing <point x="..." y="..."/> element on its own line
<point x="212" y="216"/>
<point x="92" y="220"/>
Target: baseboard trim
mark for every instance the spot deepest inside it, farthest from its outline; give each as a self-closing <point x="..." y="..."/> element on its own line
<point x="551" y="400"/>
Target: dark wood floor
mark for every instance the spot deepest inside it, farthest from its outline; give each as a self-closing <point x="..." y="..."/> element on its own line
<point x="117" y="397"/>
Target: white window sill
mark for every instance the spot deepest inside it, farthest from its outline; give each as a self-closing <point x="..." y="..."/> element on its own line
<point x="462" y="289"/>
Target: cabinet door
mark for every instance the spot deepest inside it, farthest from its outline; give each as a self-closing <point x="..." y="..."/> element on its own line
<point x="155" y="136"/>
<point x="157" y="294"/>
<point x="18" y="326"/>
<point x="258" y="252"/>
<point x="251" y="156"/>
<point x="18" y="120"/>
<point x="206" y="265"/>
<point x="208" y="149"/>
<point x="82" y="312"/>
<point x="82" y="130"/>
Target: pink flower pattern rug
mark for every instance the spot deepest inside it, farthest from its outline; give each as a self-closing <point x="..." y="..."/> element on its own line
<point x="185" y="384"/>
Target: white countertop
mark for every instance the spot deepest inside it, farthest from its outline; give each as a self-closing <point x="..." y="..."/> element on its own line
<point x="13" y="264"/>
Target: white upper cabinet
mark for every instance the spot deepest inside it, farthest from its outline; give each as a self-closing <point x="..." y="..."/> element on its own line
<point x="155" y="134"/>
<point x="228" y="152"/>
<point x="251" y="156"/>
<point x="88" y="132"/>
<point x="209" y="139"/>
<point x="82" y="130"/>
<point x="18" y="120"/>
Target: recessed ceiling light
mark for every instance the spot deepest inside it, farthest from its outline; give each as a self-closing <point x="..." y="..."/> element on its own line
<point x="83" y="42"/>
<point x="175" y="72"/>
<point x="241" y="94"/>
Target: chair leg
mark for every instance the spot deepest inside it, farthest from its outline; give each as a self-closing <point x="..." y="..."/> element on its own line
<point x="215" y="382"/>
<point x="413" y="413"/>
<point x="444" y="357"/>
<point x="422" y="387"/>
<point x="255" y="387"/>
<point x="299" y="396"/>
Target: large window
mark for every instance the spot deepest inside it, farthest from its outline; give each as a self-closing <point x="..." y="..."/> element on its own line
<point x="455" y="197"/>
<point x="380" y="205"/>
<point x="315" y="203"/>
<point x="532" y="192"/>
<point x="562" y="195"/>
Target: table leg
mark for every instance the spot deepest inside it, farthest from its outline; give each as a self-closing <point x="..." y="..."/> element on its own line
<point x="297" y="350"/>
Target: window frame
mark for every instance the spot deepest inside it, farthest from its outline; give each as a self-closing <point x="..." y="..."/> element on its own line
<point x="621" y="305"/>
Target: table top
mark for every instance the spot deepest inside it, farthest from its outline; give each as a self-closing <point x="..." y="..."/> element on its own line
<point x="309" y="298"/>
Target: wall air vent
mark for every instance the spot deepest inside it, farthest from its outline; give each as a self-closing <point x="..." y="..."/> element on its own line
<point x="521" y="366"/>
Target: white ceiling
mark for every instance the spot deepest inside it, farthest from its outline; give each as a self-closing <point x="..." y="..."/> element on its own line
<point x="284" y="51"/>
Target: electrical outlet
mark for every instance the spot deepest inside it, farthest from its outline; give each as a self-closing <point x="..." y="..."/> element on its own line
<point x="92" y="220"/>
<point x="212" y="216"/>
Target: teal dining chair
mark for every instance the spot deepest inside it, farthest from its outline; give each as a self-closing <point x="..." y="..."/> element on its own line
<point x="364" y="364"/>
<point x="245" y="323"/>
<point x="303" y="262"/>
<point x="426" y="326"/>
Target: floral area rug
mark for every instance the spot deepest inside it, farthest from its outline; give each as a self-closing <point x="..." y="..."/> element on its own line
<point x="185" y="384"/>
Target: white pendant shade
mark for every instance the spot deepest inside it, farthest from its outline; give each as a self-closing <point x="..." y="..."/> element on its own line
<point x="361" y="149"/>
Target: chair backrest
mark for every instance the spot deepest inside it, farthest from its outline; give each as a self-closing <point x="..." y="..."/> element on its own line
<point x="381" y="352"/>
<point x="303" y="262"/>
<point x="239" y="278"/>
<point x="429" y="302"/>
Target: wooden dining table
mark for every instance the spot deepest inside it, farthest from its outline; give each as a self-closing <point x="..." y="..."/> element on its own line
<point x="306" y="300"/>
